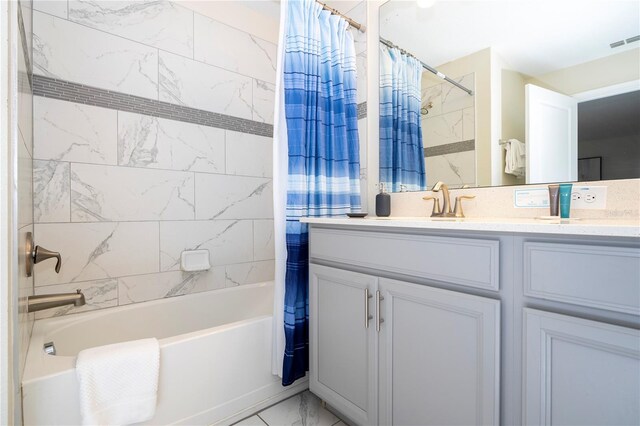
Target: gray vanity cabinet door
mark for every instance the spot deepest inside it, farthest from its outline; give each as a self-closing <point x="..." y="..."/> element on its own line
<point x="579" y="372"/>
<point x="439" y="356"/>
<point x="342" y="351"/>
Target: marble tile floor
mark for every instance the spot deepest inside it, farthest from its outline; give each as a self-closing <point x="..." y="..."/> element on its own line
<point x="303" y="409"/>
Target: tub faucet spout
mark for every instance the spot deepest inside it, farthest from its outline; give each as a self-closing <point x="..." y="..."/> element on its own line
<point x="47" y="301"/>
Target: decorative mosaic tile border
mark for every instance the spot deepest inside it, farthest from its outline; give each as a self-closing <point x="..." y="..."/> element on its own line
<point x="73" y="92"/>
<point x="80" y="93"/>
<point x="450" y="148"/>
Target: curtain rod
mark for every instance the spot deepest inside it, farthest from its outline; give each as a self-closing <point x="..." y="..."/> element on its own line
<point x="358" y="26"/>
<point x="427" y="67"/>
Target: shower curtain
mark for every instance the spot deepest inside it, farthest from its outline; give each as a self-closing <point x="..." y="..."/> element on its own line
<point x="316" y="160"/>
<point x="401" y="148"/>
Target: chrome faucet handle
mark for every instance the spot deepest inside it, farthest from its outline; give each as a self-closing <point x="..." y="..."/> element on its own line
<point x="457" y="210"/>
<point x="41" y="253"/>
<point x="436" y="205"/>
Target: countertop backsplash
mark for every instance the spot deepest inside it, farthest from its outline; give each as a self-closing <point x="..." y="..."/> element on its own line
<point x="623" y="202"/>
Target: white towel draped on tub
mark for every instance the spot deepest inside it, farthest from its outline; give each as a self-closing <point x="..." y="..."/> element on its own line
<point x="119" y="382"/>
<point x="515" y="162"/>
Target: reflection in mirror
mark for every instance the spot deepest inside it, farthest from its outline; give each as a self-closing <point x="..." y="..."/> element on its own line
<point x="401" y="149"/>
<point x="511" y="92"/>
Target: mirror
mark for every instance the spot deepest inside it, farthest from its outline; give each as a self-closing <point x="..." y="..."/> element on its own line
<point x="535" y="92"/>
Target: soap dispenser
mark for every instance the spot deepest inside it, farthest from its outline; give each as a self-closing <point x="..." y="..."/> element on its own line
<point x="383" y="203"/>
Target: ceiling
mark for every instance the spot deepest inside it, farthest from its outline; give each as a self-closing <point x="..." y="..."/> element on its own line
<point x="532" y="36"/>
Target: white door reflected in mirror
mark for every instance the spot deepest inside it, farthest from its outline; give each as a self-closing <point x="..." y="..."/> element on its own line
<point x="551" y="136"/>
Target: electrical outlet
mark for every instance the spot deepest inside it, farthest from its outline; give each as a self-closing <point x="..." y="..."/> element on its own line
<point x="589" y="197"/>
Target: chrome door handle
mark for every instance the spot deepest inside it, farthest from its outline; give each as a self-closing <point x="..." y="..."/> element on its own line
<point x="367" y="317"/>
<point x="379" y="320"/>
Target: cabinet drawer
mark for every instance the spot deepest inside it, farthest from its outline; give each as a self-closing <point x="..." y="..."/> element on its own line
<point x="603" y="277"/>
<point x="471" y="262"/>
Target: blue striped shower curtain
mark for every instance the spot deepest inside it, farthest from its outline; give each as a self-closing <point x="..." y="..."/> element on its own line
<point x="323" y="176"/>
<point x="401" y="148"/>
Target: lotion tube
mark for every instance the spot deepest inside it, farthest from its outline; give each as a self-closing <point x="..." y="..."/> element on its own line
<point x="565" y="200"/>
<point x="554" y="199"/>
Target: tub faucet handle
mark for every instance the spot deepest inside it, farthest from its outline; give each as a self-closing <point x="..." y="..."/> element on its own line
<point x="41" y="253"/>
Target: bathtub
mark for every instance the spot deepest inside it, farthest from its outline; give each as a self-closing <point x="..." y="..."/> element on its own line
<point x="215" y="357"/>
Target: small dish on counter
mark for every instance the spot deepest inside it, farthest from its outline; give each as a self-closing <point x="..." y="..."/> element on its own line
<point x="557" y="218"/>
<point x="357" y="215"/>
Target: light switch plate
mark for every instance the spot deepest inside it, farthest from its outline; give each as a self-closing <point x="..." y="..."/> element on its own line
<point x="588" y="197"/>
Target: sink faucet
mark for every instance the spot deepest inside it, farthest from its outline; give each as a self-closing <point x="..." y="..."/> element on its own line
<point x="46" y="301"/>
<point x="446" y="202"/>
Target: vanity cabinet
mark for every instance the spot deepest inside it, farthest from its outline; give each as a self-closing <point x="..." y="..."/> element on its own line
<point x="431" y="326"/>
<point x="382" y="350"/>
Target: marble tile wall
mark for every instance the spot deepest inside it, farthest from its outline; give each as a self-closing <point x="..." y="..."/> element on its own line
<point x="122" y="188"/>
<point x="450" y="121"/>
<point x="25" y="216"/>
<point x="157" y="50"/>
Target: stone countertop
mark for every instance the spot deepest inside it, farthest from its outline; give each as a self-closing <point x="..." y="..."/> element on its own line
<point x="588" y="227"/>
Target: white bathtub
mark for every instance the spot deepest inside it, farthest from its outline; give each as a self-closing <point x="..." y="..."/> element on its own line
<point x="215" y="357"/>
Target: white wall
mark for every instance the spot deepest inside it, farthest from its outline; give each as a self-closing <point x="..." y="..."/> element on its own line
<point x="604" y="72"/>
<point x="512" y="119"/>
<point x="8" y="144"/>
<point x="25" y="185"/>
<point x="16" y="218"/>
